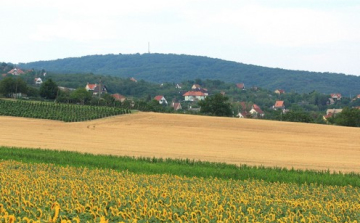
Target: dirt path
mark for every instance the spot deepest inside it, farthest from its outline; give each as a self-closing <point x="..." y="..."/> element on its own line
<point x="237" y="141"/>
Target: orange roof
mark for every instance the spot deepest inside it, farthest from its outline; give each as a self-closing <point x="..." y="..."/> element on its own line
<point x="329" y="115"/>
<point x="177" y="106"/>
<point x="257" y="109"/>
<point x="159" y="97"/>
<point x="91" y="86"/>
<point x="336" y="95"/>
<point x="16" y="71"/>
<point x="118" y="97"/>
<point x="240" y="85"/>
<point x="194" y="93"/>
<point x="279" y="104"/>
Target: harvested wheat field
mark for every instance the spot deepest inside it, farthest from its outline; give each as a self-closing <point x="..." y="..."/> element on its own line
<point x="230" y="140"/>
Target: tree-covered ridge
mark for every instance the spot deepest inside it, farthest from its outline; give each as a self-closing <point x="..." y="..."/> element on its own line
<point x="177" y="68"/>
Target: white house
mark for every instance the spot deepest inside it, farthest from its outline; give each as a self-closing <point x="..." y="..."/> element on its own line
<point x="38" y="80"/>
<point x="194" y="96"/>
<point x="256" y="111"/>
<point x="161" y="99"/>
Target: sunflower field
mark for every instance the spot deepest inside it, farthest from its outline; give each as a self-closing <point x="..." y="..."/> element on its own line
<point x="51" y="193"/>
<point x="56" y="111"/>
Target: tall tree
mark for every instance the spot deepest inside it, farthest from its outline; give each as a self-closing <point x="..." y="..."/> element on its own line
<point x="216" y="105"/>
<point x="81" y="95"/>
<point x="348" y="117"/>
<point x="49" y="89"/>
<point x="9" y="86"/>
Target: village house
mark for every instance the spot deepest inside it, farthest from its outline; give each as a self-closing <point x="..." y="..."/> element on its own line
<point x="335" y="96"/>
<point x="243" y="109"/>
<point x="241" y="86"/>
<point x="133" y="79"/>
<point x="194" y="96"/>
<point x="279" y="105"/>
<point x="256" y="111"/>
<point x="331" y="113"/>
<point x="279" y="91"/>
<point x="96" y="89"/>
<point x="161" y="99"/>
<point x="16" y="71"/>
<point x="38" y="80"/>
<point x="176" y="106"/>
<point x="118" y="97"/>
<point x="178" y="86"/>
<point x="243" y="114"/>
<point x="196" y="87"/>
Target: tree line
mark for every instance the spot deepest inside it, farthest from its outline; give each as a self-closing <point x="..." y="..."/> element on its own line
<point x="303" y="107"/>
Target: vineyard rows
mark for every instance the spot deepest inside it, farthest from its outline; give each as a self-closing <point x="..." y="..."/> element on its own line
<point x="50" y="193"/>
<point x="56" y="111"/>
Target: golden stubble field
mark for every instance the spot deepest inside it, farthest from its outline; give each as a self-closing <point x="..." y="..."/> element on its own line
<point x="236" y="141"/>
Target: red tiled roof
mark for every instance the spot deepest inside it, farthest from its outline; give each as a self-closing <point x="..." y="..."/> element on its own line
<point x="329" y="115"/>
<point x="336" y="95"/>
<point x="118" y="97"/>
<point x="159" y="97"/>
<point x="91" y="86"/>
<point x="194" y="93"/>
<point x="177" y="106"/>
<point x="240" y="85"/>
<point x="258" y="109"/>
<point x="16" y="70"/>
<point x="279" y="104"/>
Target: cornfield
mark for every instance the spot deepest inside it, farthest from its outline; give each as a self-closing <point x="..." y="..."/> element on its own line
<point x="54" y="111"/>
<point x="50" y="193"/>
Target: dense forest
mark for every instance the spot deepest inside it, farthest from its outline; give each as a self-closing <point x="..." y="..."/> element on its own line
<point x="160" y="68"/>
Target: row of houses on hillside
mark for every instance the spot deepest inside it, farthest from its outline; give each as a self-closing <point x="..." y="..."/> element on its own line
<point x="162" y="100"/>
<point x="99" y="89"/>
<point x="247" y="111"/>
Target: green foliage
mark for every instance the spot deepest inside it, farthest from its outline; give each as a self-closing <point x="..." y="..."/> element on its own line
<point x="55" y="111"/>
<point x="81" y="95"/>
<point x="49" y="89"/>
<point x="10" y="85"/>
<point x="190" y="168"/>
<point x="172" y="68"/>
<point x="348" y="117"/>
<point x="216" y="105"/>
<point x="297" y="116"/>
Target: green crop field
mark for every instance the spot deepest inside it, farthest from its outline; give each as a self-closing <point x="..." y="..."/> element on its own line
<point x="55" y="111"/>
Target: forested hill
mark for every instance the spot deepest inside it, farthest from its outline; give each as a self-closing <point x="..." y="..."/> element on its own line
<point x="177" y="68"/>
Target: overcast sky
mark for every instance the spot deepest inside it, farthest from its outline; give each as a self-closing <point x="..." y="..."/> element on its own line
<point x="314" y="35"/>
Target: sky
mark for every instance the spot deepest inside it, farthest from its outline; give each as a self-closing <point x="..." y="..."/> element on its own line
<point x="312" y="35"/>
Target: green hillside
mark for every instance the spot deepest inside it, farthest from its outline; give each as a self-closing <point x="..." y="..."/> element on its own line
<point x="176" y="68"/>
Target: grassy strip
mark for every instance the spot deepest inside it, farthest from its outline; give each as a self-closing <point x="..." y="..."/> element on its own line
<point x="178" y="167"/>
